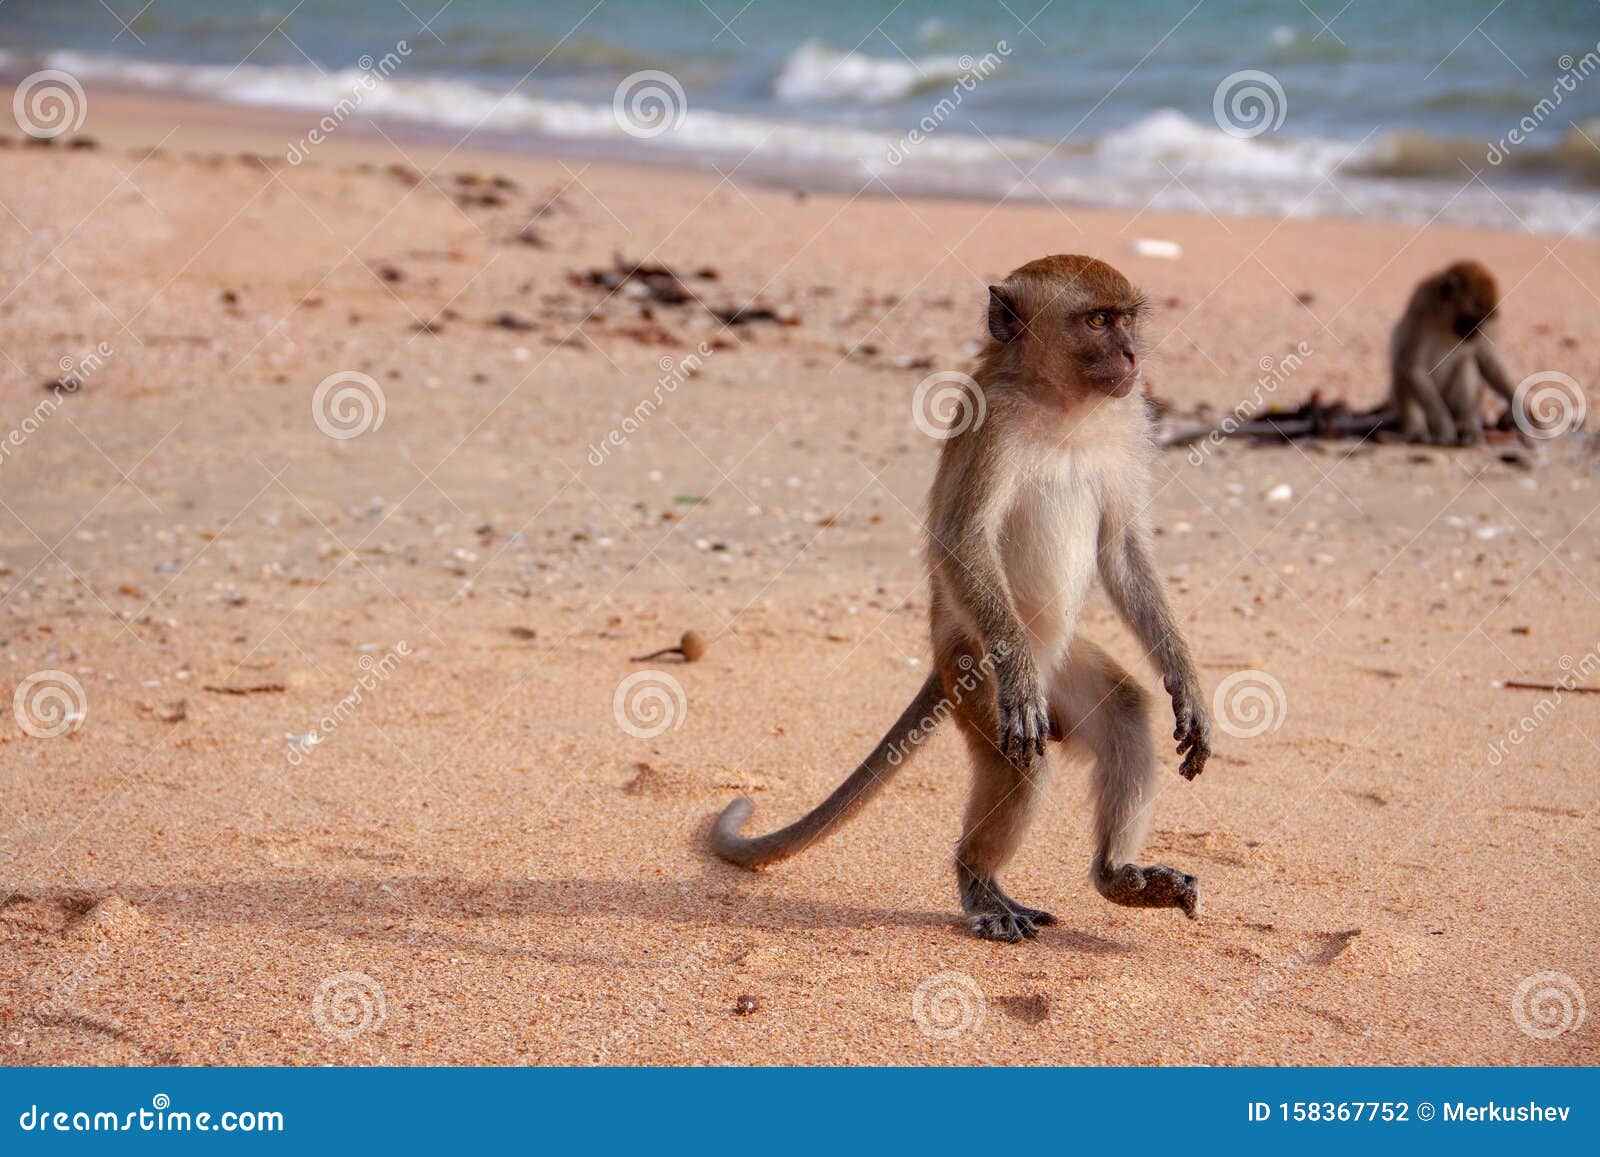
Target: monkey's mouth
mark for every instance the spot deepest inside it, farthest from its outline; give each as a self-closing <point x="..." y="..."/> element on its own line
<point x="1125" y="385"/>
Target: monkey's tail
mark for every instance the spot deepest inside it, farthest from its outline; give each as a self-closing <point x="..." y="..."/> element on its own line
<point x="914" y="724"/>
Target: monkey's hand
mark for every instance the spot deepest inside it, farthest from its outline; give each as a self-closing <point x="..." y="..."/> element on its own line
<point x="1193" y="730"/>
<point x="1024" y="714"/>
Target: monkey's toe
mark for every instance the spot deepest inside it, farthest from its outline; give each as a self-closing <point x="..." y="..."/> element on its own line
<point x="1005" y="926"/>
<point x="1038" y="915"/>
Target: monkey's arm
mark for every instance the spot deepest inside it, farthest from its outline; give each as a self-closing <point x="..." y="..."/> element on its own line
<point x="966" y="554"/>
<point x="1494" y="370"/>
<point x="1130" y="579"/>
<point x="1413" y="380"/>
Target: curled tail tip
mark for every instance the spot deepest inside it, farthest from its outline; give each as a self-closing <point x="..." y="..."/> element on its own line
<point x="725" y="838"/>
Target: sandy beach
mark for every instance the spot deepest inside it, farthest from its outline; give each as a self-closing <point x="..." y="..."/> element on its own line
<point x="496" y="855"/>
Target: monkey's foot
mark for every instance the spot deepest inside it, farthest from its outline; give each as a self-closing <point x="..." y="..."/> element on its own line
<point x="1006" y="926"/>
<point x="992" y="915"/>
<point x="1157" y="886"/>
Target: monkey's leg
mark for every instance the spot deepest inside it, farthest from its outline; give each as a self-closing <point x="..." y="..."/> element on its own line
<point x="1102" y="709"/>
<point x="1464" y="395"/>
<point x="1413" y="421"/>
<point x="1002" y="803"/>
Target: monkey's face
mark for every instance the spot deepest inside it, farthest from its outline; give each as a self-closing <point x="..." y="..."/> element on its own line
<point x="1074" y="324"/>
<point x="1468" y="296"/>
<point x="1104" y="343"/>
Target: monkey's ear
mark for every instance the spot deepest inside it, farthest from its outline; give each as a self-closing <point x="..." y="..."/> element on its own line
<point x="1005" y="323"/>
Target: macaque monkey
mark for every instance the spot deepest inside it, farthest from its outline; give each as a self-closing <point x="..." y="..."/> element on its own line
<point x="1029" y="503"/>
<point x="1441" y="354"/>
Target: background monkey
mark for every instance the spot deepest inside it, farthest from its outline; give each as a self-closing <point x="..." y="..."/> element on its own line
<point x="1027" y="506"/>
<point x="1442" y="353"/>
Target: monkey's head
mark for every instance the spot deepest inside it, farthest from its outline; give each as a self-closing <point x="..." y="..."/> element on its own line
<point x="1070" y="324"/>
<point x="1467" y="296"/>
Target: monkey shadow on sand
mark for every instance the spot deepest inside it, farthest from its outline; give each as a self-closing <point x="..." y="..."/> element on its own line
<point x="381" y="908"/>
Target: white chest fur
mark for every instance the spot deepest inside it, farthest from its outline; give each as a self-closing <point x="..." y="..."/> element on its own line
<point x="1048" y="546"/>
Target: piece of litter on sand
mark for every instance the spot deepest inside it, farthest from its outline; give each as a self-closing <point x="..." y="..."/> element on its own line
<point x="251" y="689"/>
<point x="692" y="646"/>
<point x="1156" y="247"/>
<point x="1528" y="685"/>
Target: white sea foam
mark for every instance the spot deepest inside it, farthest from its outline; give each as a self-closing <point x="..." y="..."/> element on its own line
<point x="1163" y="161"/>
<point x="817" y="74"/>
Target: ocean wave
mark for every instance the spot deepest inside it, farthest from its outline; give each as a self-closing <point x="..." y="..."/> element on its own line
<point x="1164" y="161"/>
<point x="1292" y="45"/>
<point x="816" y="74"/>
<point x="1169" y="140"/>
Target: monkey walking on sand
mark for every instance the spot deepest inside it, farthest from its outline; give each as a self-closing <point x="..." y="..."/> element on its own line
<point x="1442" y="353"/>
<point x="1027" y="506"/>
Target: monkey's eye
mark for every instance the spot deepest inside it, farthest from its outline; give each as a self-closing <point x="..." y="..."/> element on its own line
<point x="1099" y="319"/>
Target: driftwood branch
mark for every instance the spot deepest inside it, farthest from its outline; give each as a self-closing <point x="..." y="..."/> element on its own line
<point x="1314" y="419"/>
